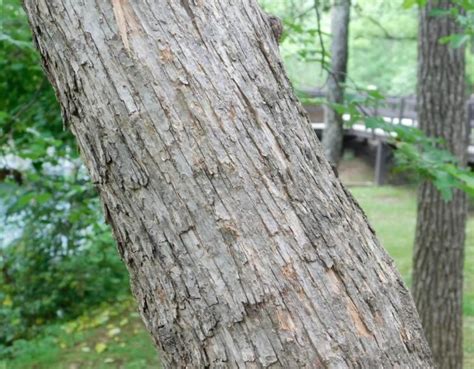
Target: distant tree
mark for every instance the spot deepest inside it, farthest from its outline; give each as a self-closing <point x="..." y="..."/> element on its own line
<point x="243" y="248"/>
<point x="440" y="231"/>
<point x="334" y="131"/>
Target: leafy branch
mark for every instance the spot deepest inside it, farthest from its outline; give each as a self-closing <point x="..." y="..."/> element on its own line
<point x="415" y="151"/>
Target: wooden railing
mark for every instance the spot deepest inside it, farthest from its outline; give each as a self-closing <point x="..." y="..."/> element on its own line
<point x="398" y="110"/>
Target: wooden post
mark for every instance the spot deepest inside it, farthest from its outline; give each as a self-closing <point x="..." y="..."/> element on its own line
<point x="376" y="114"/>
<point x="470" y="119"/>
<point x="380" y="163"/>
<point x="402" y="110"/>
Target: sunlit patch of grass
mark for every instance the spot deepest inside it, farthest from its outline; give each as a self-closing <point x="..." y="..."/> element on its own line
<point x="392" y="213"/>
<point x="104" y="338"/>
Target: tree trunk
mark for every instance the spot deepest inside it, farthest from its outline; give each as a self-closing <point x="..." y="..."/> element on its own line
<point x="244" y="250"/>
<point x="333" y="134"/>
<point x="440" y="232"/>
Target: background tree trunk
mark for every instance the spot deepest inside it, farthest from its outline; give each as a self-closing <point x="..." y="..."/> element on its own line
<point x="333" y="134"/>
<point x="243" y="248"/>
<point x="440" y="232"/>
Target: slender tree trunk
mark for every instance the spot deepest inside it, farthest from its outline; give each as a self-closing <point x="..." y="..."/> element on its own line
<point x="244" y="250"/>
<point x="440" y="233"/>
<point x="333" y="134"/>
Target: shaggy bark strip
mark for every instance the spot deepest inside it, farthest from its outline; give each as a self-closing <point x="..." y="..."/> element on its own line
<point x="441" y="225"/>
<point x="244" y="250"/>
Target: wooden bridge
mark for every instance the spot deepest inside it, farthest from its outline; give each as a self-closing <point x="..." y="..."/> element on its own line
<point x="396" y="110"/>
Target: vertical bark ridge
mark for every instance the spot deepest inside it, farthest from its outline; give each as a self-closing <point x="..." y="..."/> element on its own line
<point x="440" y="233"/>
<point x="244" y="250"/>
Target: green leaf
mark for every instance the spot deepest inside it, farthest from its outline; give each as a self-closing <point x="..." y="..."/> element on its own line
<point x="445" y="183"/>
<point x="455" y="40"/>
<point x="100" y="347"/>
<point x="410" y="3"/>
<point x="374" y="122"/>
<point x="439" y="12"/>
<point x="42" y="198"/>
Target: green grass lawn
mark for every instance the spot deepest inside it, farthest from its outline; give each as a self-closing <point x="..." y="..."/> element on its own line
<point x="114" y="337"/>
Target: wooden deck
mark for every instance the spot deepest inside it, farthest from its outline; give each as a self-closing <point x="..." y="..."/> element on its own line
<point x="396" y="110"/>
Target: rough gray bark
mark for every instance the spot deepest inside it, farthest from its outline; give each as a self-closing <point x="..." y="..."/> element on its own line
<point x="333" y="134"/>
<point x="244" y="250"/>
<point x="440" y="232"/>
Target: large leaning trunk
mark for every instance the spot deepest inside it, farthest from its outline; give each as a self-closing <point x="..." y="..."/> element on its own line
<point x="333" y="134"/>
<point x="440" y="231"/>
<point x="243" y="248"/>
